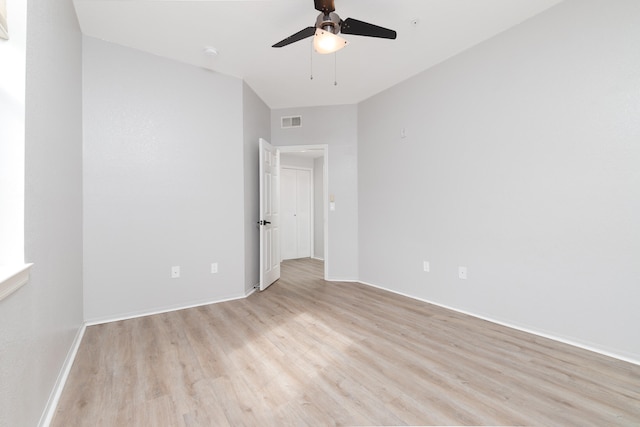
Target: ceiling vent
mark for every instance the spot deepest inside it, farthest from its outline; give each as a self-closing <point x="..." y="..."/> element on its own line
<point x="291" y="122"/>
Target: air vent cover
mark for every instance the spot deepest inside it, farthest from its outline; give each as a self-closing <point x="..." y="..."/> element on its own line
<point x="291" y="122"/>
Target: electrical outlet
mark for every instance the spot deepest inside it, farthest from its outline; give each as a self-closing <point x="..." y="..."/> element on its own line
<point x="425" y="266"/>
<point x="214" y="268"/>
<point x="175" y="272"/>
<point x="462" y="272"/>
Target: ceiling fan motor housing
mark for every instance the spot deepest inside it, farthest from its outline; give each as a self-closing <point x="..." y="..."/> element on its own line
<point x="329" y="22"/>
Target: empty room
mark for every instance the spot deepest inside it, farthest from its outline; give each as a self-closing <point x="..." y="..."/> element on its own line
<point x="316" y="212"/>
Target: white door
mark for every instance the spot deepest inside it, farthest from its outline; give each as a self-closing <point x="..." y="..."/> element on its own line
<point x="289" y="244"/>
<point x="269" y="214"/>
<point x="295" y="198"/>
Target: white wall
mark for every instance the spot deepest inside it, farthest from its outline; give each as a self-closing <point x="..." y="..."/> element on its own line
<point x="256" y="125"/>
<point x="521" y="163"/>
<point x="163" y="183"/>
<point x="335" y="126"/>
<point x="38" y="322"/>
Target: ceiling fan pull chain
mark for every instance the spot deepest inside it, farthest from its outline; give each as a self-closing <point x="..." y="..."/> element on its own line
<point x="335" y="68"/>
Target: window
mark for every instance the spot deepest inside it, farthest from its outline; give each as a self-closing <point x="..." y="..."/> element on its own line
<point x="13" y="272"/>
<point x="4" y="33"/>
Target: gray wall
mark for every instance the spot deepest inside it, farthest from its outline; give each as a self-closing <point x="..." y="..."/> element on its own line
<point x="521" y="163"/>
<point x="40" y="320"/>
<point x="163" y="183"/>
<point x="335" y="126"/>
<point x="256" y="124"/>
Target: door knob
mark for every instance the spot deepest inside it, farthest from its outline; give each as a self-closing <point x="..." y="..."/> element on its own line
<point x="263" y="222"/>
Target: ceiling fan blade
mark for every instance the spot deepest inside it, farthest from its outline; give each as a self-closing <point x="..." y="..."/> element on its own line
<point x="360" y="28"/>
<point x="324" y="6"/>
<point x="302" y="34"/>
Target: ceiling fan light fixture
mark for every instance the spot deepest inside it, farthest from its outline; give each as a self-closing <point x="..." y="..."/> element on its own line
<point x="325" y="42"/>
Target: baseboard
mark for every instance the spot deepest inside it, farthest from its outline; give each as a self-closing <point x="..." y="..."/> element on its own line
<point x="54" y="398"/>
<point x="109" y="319"/>
<point x="333" y="279"/>
<point x="317" y="258"/>
<point x="50" y="408"/>
<point x="52" y="404"/>
<point x="252" y="290"/>
<point x="516" y="327"/>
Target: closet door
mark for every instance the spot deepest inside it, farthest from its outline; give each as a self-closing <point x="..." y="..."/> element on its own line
<point x="303" y="212"/>
<point x="295" y="208"/>
<point x="288" y="222"/>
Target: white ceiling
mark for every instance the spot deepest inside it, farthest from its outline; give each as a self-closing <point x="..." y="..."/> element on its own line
<point x="243" y="31"/>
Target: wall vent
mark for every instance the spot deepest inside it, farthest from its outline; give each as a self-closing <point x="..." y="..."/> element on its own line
<point x="291" y="122"/>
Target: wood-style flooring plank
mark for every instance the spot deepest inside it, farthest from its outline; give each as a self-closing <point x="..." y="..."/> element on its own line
<point x="308" y="352"/>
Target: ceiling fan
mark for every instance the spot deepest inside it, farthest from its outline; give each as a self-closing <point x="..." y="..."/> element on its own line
<point x="329" y="24"/>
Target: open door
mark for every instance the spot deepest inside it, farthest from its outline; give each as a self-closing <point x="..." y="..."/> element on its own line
<point x="269" y="214"/>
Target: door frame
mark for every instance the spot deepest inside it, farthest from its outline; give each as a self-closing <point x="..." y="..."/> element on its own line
<point x="325" y="192"/>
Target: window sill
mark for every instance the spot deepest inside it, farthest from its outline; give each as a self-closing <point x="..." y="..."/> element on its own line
<point x="12" y="277"/>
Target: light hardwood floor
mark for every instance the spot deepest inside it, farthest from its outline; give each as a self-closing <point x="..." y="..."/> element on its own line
<point x="310" y="352"/>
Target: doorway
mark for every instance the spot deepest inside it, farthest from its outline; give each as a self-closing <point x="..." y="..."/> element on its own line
<point x="309" y="164"/>
<point x="296" y="210"/>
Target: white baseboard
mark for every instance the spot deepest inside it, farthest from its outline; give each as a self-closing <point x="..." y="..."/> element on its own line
<point x="252" y="290"/>
<point x="48" y="413"/>
<point x="317" y="258"/>
<point x="516" y="327"/>
<point x="109" y="319"/>
<point x="337" y="279"/>
<point x="54" y="397"/>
